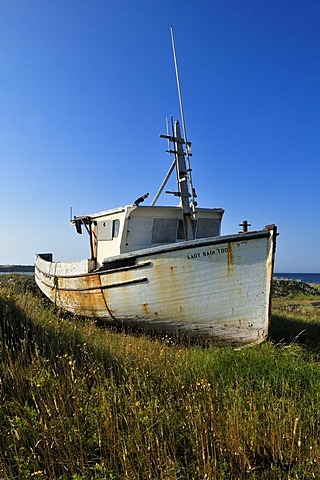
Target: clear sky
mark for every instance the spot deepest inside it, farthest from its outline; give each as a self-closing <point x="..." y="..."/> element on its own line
<point x="86" y="86"/>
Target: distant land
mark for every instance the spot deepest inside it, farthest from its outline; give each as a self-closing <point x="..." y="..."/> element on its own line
<point x="16" y="268"/>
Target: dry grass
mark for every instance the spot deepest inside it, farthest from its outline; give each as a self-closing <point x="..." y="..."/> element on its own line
<point x="82" y="402"/>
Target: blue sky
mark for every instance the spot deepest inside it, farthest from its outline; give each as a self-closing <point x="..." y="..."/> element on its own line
<point x="86" y="86"/>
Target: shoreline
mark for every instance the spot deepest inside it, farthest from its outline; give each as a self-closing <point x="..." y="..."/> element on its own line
<point x="16" y="268"/>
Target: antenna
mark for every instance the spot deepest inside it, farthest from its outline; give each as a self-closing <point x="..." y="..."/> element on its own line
<point x="178" y="83"/>
<point x="193" y="194"/>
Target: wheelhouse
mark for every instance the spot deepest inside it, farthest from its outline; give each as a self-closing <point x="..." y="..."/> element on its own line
<point x="131" y="228"/>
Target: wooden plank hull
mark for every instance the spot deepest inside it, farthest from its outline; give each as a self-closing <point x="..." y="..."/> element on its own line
<point x="217" y="288"/>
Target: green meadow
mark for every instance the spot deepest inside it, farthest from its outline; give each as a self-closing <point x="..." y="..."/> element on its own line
<point x="81" y="402"/>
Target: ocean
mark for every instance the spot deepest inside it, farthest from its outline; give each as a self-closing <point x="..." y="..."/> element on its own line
<point x="304" y="277"/>
<point x="18" y="273"/>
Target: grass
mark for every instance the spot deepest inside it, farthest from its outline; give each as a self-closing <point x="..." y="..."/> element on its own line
<point x="82" y="402"/>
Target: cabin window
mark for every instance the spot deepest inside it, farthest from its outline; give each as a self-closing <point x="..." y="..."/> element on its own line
<point x="180" y="231"/>
<point x="115" y="228"/>
<point x="108" y="229"/>
<point x="164" y="230"/>
<point x="208" y="227"/>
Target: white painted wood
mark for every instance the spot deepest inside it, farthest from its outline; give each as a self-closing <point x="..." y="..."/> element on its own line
<point x="218" y="288"/>
<point x="136" y="227"/>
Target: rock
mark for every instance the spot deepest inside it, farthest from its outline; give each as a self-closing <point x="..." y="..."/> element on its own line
<point x="282" y="287"/>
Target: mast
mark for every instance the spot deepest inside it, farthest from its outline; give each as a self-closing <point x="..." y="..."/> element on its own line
<point x="193" y="195"/>
<point x="182" y="176"/>
<point x="181" y="163"/>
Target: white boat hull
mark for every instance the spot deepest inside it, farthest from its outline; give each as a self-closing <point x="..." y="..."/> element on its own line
<point x="218" y="288"/>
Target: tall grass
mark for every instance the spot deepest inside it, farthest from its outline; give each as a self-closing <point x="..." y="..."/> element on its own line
<point x="82" y="402"/>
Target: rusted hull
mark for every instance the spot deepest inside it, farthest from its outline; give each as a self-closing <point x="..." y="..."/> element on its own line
<point x="217" y="288"/>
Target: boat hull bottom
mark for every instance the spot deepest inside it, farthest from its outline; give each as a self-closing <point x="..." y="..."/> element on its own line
<point x="193" y="333"/>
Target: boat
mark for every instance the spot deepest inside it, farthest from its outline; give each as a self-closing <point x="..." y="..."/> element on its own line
<point x="168" y="268"/>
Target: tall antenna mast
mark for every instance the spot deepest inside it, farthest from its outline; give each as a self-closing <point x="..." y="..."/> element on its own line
<point x="184" y="130"/>
<point x="181" y="151"/>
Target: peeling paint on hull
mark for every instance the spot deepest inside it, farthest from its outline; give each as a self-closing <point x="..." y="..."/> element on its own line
<point x="218" y="288"/>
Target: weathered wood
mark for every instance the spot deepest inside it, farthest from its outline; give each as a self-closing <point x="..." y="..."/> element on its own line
<point x="217" y="288"/>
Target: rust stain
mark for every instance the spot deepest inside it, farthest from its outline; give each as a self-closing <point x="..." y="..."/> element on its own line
<point x="145" y="308"/>
<point x="85" y="302"/>
<point x="94" y="237"/>
<point x="230" y="257"/>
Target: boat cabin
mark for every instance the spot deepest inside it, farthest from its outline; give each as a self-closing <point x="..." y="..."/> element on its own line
<point x="130" y="228"/>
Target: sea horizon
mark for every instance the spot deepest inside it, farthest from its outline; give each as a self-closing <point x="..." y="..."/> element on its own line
<point x="304" y="277"/>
